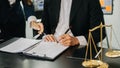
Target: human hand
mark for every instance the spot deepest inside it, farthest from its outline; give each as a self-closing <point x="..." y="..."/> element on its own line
<point x="68" y="40"/>
<point x="50" y="38"/>
<point x="37" y="26"/>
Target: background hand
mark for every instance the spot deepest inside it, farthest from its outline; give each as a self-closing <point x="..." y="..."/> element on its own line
<point x="37" y="26"/>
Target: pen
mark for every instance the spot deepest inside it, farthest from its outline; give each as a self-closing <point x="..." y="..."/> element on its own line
<point x="67" y="30"/>
<point x="36" y="36"/>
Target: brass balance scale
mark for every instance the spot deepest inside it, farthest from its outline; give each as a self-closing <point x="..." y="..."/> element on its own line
<point x="112" y="53"/>
<point x="93" y="63"/>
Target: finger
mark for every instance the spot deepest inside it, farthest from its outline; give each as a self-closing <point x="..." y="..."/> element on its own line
<point x="53" y="38"/>
<point x="41" y="27"/>
<point x="62" y="37"/>
<point x="49" y="38"/>
<point x="34" y="25"/>
<point x="67" y="40"/>
<point x="66" y="43"/>
<point x="70" y="41"/>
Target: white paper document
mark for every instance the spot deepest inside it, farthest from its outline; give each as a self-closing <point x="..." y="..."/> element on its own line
<point x="19" y="45"/>
<point x="35" y="48"/>
<point x="49" y="50"/>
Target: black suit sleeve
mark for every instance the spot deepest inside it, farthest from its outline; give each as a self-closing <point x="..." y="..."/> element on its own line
<point x="45" y="17"/>
<point x="96" y="18"/>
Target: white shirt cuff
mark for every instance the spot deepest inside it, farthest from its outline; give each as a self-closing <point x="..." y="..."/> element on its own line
<point x="82" y="40"/>
<point x="31" y="18"/>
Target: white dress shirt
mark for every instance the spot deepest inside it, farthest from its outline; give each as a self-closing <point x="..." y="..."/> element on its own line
<point x="63" y="23"/>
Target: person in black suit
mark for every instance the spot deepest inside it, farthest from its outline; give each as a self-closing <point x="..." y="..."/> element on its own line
<point x="80" y="16"/>
<point x="76" y="15"/>
<point x="13" y="17"/>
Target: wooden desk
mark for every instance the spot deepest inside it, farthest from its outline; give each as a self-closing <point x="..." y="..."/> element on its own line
<point x="20" y="61"/>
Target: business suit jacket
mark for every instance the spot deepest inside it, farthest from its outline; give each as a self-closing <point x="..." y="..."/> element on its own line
<point x="12" y="19"/>
<point x="84" y="15"/>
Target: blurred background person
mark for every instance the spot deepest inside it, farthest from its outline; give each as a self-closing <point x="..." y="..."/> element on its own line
<point x="13" y="15"/>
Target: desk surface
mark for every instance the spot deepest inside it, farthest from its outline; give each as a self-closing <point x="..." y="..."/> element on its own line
<point x="21" y="61"/>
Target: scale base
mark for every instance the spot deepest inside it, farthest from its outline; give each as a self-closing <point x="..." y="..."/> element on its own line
<point x="95" y="63"/>
<point x="113" y="53"/>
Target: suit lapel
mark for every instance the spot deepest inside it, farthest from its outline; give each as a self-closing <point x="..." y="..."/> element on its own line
<point x="58" y="12"/>
<point x="55" y="13"/>
<point x="56" y="9"/>
<point x="74" y="8"/>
